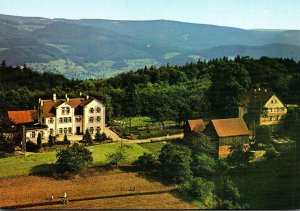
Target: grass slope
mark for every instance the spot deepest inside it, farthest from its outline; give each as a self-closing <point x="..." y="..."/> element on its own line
<point x="16" y="166"/>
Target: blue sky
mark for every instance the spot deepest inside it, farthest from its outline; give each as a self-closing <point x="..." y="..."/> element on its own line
<point x="247" y="14"/>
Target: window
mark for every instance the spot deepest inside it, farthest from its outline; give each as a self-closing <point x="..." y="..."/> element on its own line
<point x="42" y="133"/>
<point x="65" y="130"/>
<point x="65" y="119"/>
<point x="282" y="109"/>
<point x="70" y="119"/>
<point x="270" y="109"/>
<point x="91" y="110"/>
<point x="277" y="118"/>
<point x="98" y="129"/>
<point x="98" y="118"/>
<point x="50" y="121"/>
<point x="98" y="109"/>
<point x="60" y="130"/>
<point x="78" y="119"/>
<point x="67" y="110"/>
<point x="91" y="119"/>
<point x="270" y="118"/>
<point x="33" y="134"/>
<point x="91" y="130"/>
<point x="51" y="131"/>
<point x="60" y="120"/>
<point x="70" y="130"/>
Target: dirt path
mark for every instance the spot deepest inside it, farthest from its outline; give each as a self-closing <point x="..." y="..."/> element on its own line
<point x="116" y="138"/>
<point x="110" y="190"/>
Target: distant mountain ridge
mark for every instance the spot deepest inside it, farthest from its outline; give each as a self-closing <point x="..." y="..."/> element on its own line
<point x="88" y="48"/>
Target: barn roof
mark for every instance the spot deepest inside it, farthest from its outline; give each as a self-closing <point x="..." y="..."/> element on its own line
<point x="230" y="127"/>
<point x="22" y="117"/>
<point x="196" y="125"/>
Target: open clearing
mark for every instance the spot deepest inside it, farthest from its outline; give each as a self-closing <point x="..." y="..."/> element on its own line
<point x="109" y="190"/>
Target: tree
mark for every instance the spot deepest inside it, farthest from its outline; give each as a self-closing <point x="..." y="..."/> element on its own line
<point x="51" y="140"/>
<point x="203" y="165"/>
<point x="198" y="189"/>
<point x="117" y="157"/>
<point x="39" y="141"/>
<point x="87" y="138"/>
<point x="263" y="135"/>
<point x="146" y="162"/>
<point x="100" y="137"/>
<point x="175" y="162"/>
<point x="3" y="64"/>
<point x="239" y="154"/>
<point x="205" y="145"/>
<point x="74" y="159"/>
<point x="66" y="140"/>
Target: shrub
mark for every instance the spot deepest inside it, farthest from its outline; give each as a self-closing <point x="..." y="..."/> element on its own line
<point x="100" y="137"/>
<point x="39" y="141"/>
<point x="239" y="155"/>
<point x="117" y="157"/>
<point x="203" y="165"/>
<point x="146" y="162"/>
<point x="87" y="138"/>
<point x="51" y="140"/>
<point x="175" y="162"/>
<point x="198" y="189"/>
<point x="74" y="159"/>
<point x="66" y="140"/>
<point x="4" y="154"/>
<point x="271" y="153"/>
<point x="31" y="147"/>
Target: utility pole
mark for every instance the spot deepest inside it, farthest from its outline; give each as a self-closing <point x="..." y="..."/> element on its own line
<point x="23" y="131"/>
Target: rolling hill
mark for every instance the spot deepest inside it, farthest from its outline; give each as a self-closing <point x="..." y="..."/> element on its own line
<point x="90" y="48"/>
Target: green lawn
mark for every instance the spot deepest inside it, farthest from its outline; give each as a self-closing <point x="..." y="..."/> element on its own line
<point x="15" y="166"/>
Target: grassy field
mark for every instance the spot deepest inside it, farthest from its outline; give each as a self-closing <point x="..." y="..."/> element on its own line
<point x="15" y="166"/>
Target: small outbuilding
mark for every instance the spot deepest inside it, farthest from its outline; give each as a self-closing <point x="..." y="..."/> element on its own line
<point x="193" y="128"/>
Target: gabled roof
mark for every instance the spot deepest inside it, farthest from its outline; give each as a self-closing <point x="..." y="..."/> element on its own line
<point x="22" y="117"/>
<point x="230" y="127"/>
<point x="196" y="125"/>
<point x="49" y="105"/>
<point x="261" y="96"/>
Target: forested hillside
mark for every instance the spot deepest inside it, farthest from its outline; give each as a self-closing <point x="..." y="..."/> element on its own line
<point x="202" y="89"/>
<point x="103" y="48"/>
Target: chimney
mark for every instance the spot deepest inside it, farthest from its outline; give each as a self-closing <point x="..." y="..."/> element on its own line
<point x="87" y="97"/>
<point x="54" y="97"/>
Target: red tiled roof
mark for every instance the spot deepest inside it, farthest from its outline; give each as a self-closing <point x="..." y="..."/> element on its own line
<point x="49" y="105"/>
<point x="196" y="125"/>
<point x="230" y="127"/>
<point x="21" y="117"/>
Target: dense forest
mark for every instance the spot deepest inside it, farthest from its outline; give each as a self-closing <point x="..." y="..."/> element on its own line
<point x="202" y="89"/>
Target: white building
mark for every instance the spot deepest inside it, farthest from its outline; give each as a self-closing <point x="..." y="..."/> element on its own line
<point x="63" y="116"/>
<point x="72" y="116"/>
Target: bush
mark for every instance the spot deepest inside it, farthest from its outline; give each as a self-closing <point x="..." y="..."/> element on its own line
<point x="39" y="141"/>
<point x="4" y="154"/>
<point x="87" y="138"/>
<point x="203" y="165"/>
<point x="66" y="140"/>
<point x="31" y="147"/>
<point x="175" y="162"/>
<point x="198" y="189"/>
<point x="271" y="153"/>
<point x="100" y="137"/>
<point x="74" y="159"/>
<point x="51" y="141"/>
<point x="146" y="162"/>
<point x="117" y="157"/>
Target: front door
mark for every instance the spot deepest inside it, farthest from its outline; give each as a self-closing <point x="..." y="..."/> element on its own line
<point x="78" y="130"/>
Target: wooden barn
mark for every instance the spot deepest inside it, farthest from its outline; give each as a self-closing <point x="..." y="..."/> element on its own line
<point x="228" y="131"/>
<point x="192" y="130"/>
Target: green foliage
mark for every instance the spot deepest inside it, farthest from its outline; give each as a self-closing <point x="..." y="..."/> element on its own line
<point x="239" y="155"/>
<point x="175" y="162"/>
<point x="263" y="135"/>
<point x="74" y="159"/>
<point x="31" y="147"/>
<point x="205" y="145"/>
<point x="117" y="157"/>
<point x="87" y="138"/>
<point x="271" y="153"/>
<point x="39" y="141"/>
<point x="66" y="140"/>
<point x="146" y="162"/>
<point x="100" y="137"/>
<point x="51" y="140"/>
<point x="203" y="165"/>
<point x="198" y="189"/>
